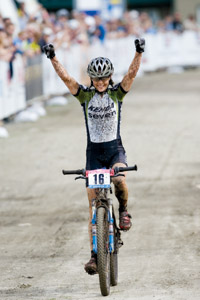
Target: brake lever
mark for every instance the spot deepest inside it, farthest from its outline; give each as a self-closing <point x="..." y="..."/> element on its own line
<point x="80" y="177"/>
<point x="117" y="175"/>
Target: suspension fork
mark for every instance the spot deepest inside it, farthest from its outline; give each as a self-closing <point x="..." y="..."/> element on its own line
<point x="94" y="226"/>
<point x="111" y="222"/>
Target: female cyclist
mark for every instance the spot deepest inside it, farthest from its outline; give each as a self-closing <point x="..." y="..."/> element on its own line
<point x="101" y="104"/>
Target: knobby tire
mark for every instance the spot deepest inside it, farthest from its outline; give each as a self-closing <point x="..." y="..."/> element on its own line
<point x="103" y="255"/>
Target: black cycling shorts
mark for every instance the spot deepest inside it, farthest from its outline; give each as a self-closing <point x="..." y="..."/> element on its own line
<point x="105" y="155"/>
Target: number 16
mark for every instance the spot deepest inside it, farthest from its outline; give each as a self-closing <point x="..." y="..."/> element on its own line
<point x="100" y="179"/>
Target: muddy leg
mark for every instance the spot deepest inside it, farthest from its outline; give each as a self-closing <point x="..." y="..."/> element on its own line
<point x="121" y="189"/>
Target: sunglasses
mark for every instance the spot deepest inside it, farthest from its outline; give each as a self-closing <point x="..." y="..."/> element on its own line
<point x="101" y="78"/>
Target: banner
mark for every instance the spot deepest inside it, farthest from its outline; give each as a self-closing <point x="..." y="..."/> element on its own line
<point x="109" y="9"/>
<point x="87" y="6"/>
<point x="112" y="9"/>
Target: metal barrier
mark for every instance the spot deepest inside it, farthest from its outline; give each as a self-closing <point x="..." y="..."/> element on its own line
<point x="33" y="77"/>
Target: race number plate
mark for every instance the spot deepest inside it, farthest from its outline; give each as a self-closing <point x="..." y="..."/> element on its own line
<point x="99" y="178"/>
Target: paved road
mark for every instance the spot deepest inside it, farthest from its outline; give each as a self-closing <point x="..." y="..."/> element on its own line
<point x="43" y="215"/>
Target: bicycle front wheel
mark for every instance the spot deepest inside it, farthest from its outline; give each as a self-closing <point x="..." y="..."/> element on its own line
<point x="103" y="255"/>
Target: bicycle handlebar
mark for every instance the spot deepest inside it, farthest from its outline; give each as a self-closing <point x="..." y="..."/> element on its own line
<point x="83" y="171"/>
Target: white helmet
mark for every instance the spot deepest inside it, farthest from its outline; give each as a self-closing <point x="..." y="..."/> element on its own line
<point x="100" y="67"/>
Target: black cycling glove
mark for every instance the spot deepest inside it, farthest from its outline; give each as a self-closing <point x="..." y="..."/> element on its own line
<point x="140" y="45"/>
<point x="49" y="50"/>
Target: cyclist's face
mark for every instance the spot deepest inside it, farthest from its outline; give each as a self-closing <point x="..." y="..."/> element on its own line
<point x="101" y="84"/>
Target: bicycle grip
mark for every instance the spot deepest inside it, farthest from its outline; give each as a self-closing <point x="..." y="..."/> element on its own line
<point x="124" y="169"/>
<point x="71" y="172"/>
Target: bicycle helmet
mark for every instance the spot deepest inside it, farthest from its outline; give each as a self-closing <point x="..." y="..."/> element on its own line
<point x="100" y="67"/>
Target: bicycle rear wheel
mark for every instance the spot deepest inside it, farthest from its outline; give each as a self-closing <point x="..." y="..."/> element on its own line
<point x="114" y="261"/>
<point x="103" y="255"/>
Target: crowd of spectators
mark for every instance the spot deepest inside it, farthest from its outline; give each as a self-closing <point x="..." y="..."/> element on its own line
<point x="64" y="29"/>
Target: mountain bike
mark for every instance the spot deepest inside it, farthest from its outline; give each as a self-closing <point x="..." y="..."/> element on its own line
<point x="106" y="235"/>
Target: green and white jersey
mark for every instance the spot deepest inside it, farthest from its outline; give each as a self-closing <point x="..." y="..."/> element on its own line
<point x="102" y="113"/>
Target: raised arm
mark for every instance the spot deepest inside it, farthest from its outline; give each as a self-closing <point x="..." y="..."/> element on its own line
<point x="69" y="81"/>
<point x="134" y="66"/>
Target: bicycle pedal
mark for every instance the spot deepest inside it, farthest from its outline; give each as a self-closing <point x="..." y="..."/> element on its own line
<point x="120" y="243"/>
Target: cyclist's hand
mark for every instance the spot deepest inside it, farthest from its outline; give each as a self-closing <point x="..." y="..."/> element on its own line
<point x="49" y="50"/>
<point x="140" y="45"/>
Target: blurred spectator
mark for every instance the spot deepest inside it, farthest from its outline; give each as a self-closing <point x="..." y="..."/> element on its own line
<point x="32" y="45"/>
<point x="8" y="43"/>
<point x="90" y="27"/>
<point x="160" y="25"/>
<point x="1" y="21"/>
<point x="146" y="23"/>
<point x="100" y="30"/>
<point x="132" y="23"/>
<point x="45" y="38"/>
<point x="20" y="42"/>
<point x="177" y="23"/>
<point x="46" y="18"/>
<point x="62" y="18"/>
<point x="9" y="30"/>
<point x="190" y="23"/>
<point x="5" y="52"/>
<point x="168" y="23"/>
<point x="6" y="21"/>
<point x="77" y="32"/>
<point x="117" y="28"/>
<point x="23" y="15"/>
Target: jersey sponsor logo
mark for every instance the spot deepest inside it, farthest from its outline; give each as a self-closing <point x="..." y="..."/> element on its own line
<point x="96" y="112"/>
<point x="101" y="109"/>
